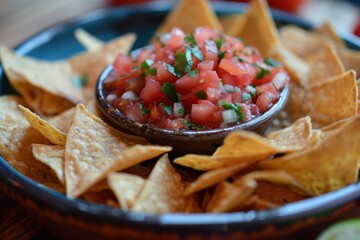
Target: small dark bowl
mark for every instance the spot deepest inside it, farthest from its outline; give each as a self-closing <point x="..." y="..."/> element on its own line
<point x="193" y="141"/>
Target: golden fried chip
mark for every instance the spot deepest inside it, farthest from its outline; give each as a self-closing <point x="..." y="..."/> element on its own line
<point x="15" y="148"/>
<point x="126" y="188"/>
<point x="351" y="60"/>
<point x="63" y="120"/>
<point x="300" y="41"/>
<point x="327" y="31"/>
<point x="324" y="63"/>
<point x="295" y="106"/>
<point x="46" y="129"/>
<point x="200" y="162"/>
<point x="232" y="23"/>
<point x="213" y="177"/>
<point x="259" y="29"/>
<point x="52" y="156"/>
<point x="9" y="111"/>
<point x="330" y="165"/>
<point x="332" y="100"/>
<point x="188" y="15"/>
<point x="163" y="191"/>
<point x="90" y="42"/>
<point x="295" y="137"/>
<point x="257" y="203"/>
<point x="94" y="149"/>
<point x="228" y="196"/>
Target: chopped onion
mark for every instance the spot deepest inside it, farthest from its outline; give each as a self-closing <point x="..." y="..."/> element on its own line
<point x="178" y="109"/>
<point x="250" y="89"/>
<point x="110" y="97"/>
<point x="129" y="95"/>
<point x="229" y="116"/>
<point x="280" y="80"/>
<point x="230" y="88"/>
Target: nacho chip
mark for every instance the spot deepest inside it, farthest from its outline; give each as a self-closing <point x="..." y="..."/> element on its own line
<point x="351" y="60"/>
<point x="257" y="203"/>
<point x="163" y="191"/>
<point x="213" y="177"/>
<point x="232" y="23"/>
<point x="94" y="149"/>
<point x="228" y="196"/>
<point x="46" y="129"/>
<point x="324" y="64"/>
<point x="63" y="120"/>
<point x="200" y="162"/>
<point x="52" y="156"/>
<point x="259" y="29"/>
<point x="90" y="42"/>
<point x="327" y="31"/>
<point x="9" y="111"/>
<point x="126" y="188"/>
<point x="188" y="15"/>
<point x="330" y="165"/>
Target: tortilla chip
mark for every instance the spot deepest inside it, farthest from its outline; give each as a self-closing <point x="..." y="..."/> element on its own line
<point x="259" y="29"/>
<point x="52" y="156"/>
<point x="188" y="15"/>
<point x="199" y="162"/>
<point x="63" y="120"/>
<point x="332" y="100"/>
<point x="327" y="31"/>
<point x="351" y="60"/>
<point x="257" y="203"/>
<point x="295" y="137"/>
<point x="228" y="196"/>
<point x="324" y="64"/>
<point x="232" y="23"/>
<point x="54" y="135"/>
<point x="9" y="111"/>
<point x="94" y="149"/>
<point x="330" y="165"/>
<point x="50" y="104"/>
<point x="126" y="188"/>
<point x="15" y="148"/>
<point x="300" y="41"/>
<point x="90" y="42"/>
<point x="213" y="177"/>
<point x="163" y="192"/>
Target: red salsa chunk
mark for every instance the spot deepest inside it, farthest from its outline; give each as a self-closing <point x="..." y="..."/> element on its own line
<point x="202" y="80"/>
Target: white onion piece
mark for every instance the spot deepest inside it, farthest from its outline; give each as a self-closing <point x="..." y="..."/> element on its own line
<point x="250" y="89"/>
<point x="230" y="88"/>
<point x="110" y="97"/>
<point x="229" y="116"/>
<point x="178" y="109"/>
<point x="279" y="80"/>
<point x="129" y="95"/>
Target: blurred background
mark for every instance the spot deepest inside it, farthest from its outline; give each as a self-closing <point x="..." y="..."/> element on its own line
<point x="20" y="19"/>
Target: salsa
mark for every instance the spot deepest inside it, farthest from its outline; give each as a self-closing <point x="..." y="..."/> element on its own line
<point x="202" y="80"/>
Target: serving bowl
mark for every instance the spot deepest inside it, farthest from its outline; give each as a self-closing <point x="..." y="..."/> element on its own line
<point x="189" y="141"/>
<point x="73" y="219"/>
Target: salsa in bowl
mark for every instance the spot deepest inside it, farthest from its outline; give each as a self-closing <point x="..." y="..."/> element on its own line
<point x="190" y="91"/>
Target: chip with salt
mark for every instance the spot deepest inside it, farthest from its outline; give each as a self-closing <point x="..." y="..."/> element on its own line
<point x="9" y="111"/>
<point x="90" y="42"/>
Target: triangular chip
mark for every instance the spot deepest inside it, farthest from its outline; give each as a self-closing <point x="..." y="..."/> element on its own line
<point x="163" y="191"/>
<point x="327" y="30"/>
<point x="351" y="60"/>
<point x="52" y="156"/>
<point x="90" y="42"/>
<point x="94" y="149"/>
<point x="188" y="15"/>
<point x="259" y="29"/>
<point x="330" y="165"/>
<point x="9" y="111"/>
<point x="232" y="23"/>
<point x="126" y="188"/>
<point x="54" y="135"/>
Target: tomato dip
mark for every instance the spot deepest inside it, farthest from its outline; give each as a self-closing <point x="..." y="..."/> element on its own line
<point x="197" y="81"/>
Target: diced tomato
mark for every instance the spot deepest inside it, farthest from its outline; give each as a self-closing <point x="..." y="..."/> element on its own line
<point x="265" y="101"/>
<point x="123" y="64"/>
<point x="243" y="72"/>
<point x="269" y="87"/>
<point x="175" y="123"/>
<point x="206" y="65"/>
<point x="203" y="113"/>
<point x="246" y="112"/>
<point x="163" y="73"/>
<point x="135" y="84"/>
<point x="213" y="94"/>
<point x="152" y="91"/>
<point x="145" y="54"/>
<point x="202" y="34"/>
<point x="186" y="83"/>
<point x="234" y="44"/>
<point x="176" y="39"/>
<point x="211" y="51"/>
<point x="134" y="112"/>
<point x="236" y="97"/>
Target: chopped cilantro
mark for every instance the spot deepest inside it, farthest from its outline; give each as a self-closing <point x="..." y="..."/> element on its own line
<point x="196" y="52"/>
<point x="190" y="39"/>
<point x="80" y="82"/>
<point x="181" y="110"/>
<point x="219" y="42"/>
<point x="246" y="96"/>
<point x="169" y="90"/>
<point x="235" y="107"/>
<point x="144" y="110"/>
<point x="152" y="71"/>
<point x="193" y="73"/>
<point x="168" y="109"/>
<point x="262" y="72"/>
<point x="272" y="62"/>
<point x="193" y="126"/>
<point x="172" y="70"/>
<point x="183" y="61"/>
<point x="221" y="55"/>
<point x="146" y="64"/>
<point x="201" y="95"/>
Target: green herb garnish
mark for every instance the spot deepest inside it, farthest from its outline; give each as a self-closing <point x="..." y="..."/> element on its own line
<point x="152" y="71"/>
<point x="196" y="52"/>
<point x="169" y="90"/>
<point x="172" y="70"/>
<point x="190" y="39"/>
<point x="144" y="110"/>
<point x="168" y="109"/>
<point x="190" y="125"/>
<point x="272" y="62"/>
<point x="193" y="73"/>
<point x="146" y="64"/>
<point x="183" y="61"/>
<point x="235" y="107"/>
<point x="80" y="82"/>
<point x="201" y="95"/>
<point x="262" y="72"/>
<point x="219" y="42"/>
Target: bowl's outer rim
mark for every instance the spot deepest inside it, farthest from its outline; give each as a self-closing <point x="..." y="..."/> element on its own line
<point x="51" y="199"/>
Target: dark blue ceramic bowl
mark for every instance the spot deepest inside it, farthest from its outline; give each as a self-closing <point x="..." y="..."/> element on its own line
<point x="75" y="219"/>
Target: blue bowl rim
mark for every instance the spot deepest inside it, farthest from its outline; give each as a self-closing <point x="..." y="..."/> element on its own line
<point x="51" y="199"/>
